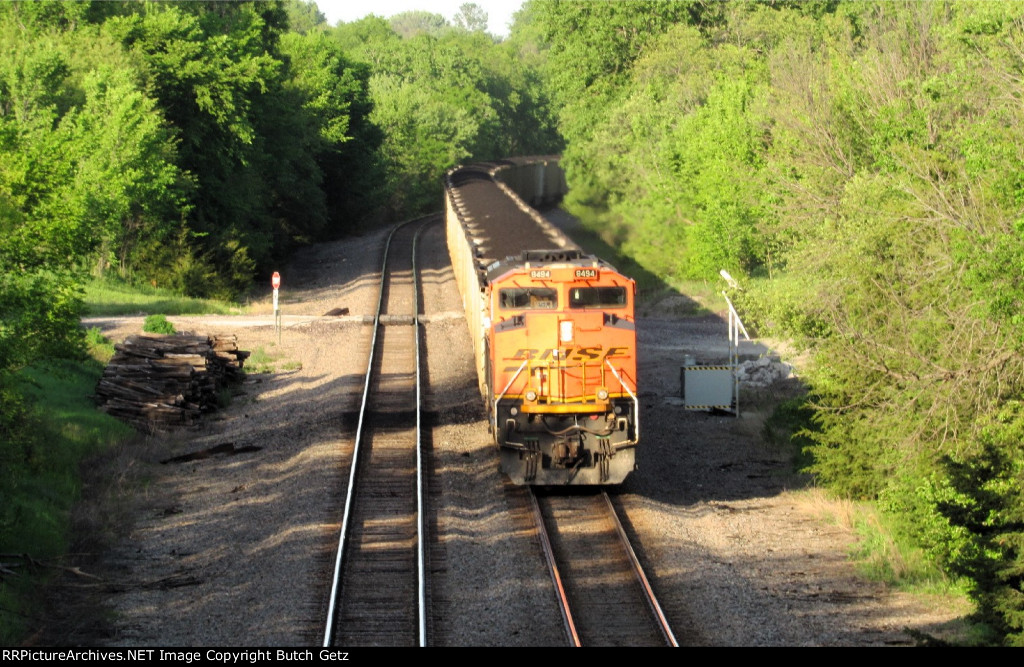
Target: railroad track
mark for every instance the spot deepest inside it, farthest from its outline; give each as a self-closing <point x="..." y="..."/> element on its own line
<point x="378" y="592"/>
<point x="602" y="591"/>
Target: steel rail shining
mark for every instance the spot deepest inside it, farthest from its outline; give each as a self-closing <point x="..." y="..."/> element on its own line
<point x="355" y="452"/>
<point x="421" y="529"/>
<point x="556" y="577"/>
<point x="652" y="600"/>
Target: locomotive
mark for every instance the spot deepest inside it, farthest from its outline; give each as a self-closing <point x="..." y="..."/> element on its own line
<point x="553" y="328"/>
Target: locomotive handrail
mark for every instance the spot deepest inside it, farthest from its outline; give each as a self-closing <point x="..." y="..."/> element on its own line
<point x="565" y="369"/>
<point x="636" y="404"/>
<point x="504" y="391"/>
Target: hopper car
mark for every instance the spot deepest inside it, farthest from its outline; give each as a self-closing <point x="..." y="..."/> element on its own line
<point x="553" y="328"/>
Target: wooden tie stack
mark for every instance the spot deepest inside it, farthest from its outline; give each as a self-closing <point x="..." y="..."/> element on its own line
<point x="158" y="383"/>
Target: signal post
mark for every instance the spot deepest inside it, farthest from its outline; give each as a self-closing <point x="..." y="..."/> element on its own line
<point x="275" y="282"/>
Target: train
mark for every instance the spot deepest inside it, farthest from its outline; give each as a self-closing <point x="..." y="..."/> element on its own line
<point x="553" y="328"/>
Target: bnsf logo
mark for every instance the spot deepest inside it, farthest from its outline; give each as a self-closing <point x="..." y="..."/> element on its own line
<point x="569" y="353"/>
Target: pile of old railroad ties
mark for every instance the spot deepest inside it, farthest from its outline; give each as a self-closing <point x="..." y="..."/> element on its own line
<point x="162" y="382"/>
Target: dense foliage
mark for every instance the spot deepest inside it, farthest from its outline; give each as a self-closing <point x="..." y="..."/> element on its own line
<point x="445" y="94"/>
<point x="860" y="163"/>
<point x="185" y="144"/>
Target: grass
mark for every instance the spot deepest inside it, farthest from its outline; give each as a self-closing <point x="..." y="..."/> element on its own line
<point x="157" y="324"/>
<point x="706" y="296"/>
<point x="880" y="553"/>
<point x="99" y="346"/>
<point x="262" y="361"/>
<point x="40" y="482"/>
<point x="109" y="298"/>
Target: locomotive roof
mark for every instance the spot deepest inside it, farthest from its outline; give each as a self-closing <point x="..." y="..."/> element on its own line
<point x="546" y="258"/>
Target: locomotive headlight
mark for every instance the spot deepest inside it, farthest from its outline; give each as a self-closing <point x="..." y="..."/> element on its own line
<point x="531" y="395"/>
<point x="602" y="394"/>
<point x="565" y="331"/>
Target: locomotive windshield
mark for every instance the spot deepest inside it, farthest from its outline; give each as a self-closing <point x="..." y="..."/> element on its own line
<point x="529" y="298"/>
<point x="597" y="297"/>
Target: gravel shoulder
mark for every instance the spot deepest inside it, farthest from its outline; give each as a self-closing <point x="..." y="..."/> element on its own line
<point x="233" y="550"/>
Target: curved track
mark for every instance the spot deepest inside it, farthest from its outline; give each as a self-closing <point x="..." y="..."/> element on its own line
<point x="378" y="590"/>
<point x="602" y="591"/>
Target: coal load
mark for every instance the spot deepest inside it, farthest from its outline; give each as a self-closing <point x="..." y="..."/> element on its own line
<point x="159" y="383"/>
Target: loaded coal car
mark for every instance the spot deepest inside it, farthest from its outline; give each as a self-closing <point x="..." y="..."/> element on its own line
<point x="552" y="327"/>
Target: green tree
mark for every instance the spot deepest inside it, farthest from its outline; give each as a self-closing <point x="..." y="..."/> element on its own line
<point x="334" y="95"/>
<point x="304" y="16"/>
<point x="866" y="158"/>
<point x="472" y="17"/>
<point x="125" y="173"/>
<point x="439" y="101"/>
<point x="262" y="125"/>
<point x="592" y="46"/>
<point x="418" y="22"/>
<point x="985" y="498"/>
<point x="211" y="67"/>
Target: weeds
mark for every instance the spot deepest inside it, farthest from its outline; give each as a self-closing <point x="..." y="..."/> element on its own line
<point x="158" y="324"/>
<point x="881" y="553"/>
<point x="99" y="346"/>
<point x="261" y="361"/>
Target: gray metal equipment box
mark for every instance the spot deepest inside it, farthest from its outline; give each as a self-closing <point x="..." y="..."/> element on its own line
<point x="707" y="387"/>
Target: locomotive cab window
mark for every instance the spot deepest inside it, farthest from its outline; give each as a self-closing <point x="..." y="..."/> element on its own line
<point x="597" y="297"/>
<point x="528" y="298"/>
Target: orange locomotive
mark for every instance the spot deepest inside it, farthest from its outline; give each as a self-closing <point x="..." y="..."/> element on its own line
<point x="553" y="329"/>
<point x="562" y="368"/>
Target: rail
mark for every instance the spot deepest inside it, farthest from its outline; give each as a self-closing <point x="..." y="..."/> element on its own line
<point x="344" y="537"/>
<point x="652" y="599"/>
<point x="601" y="590"/>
